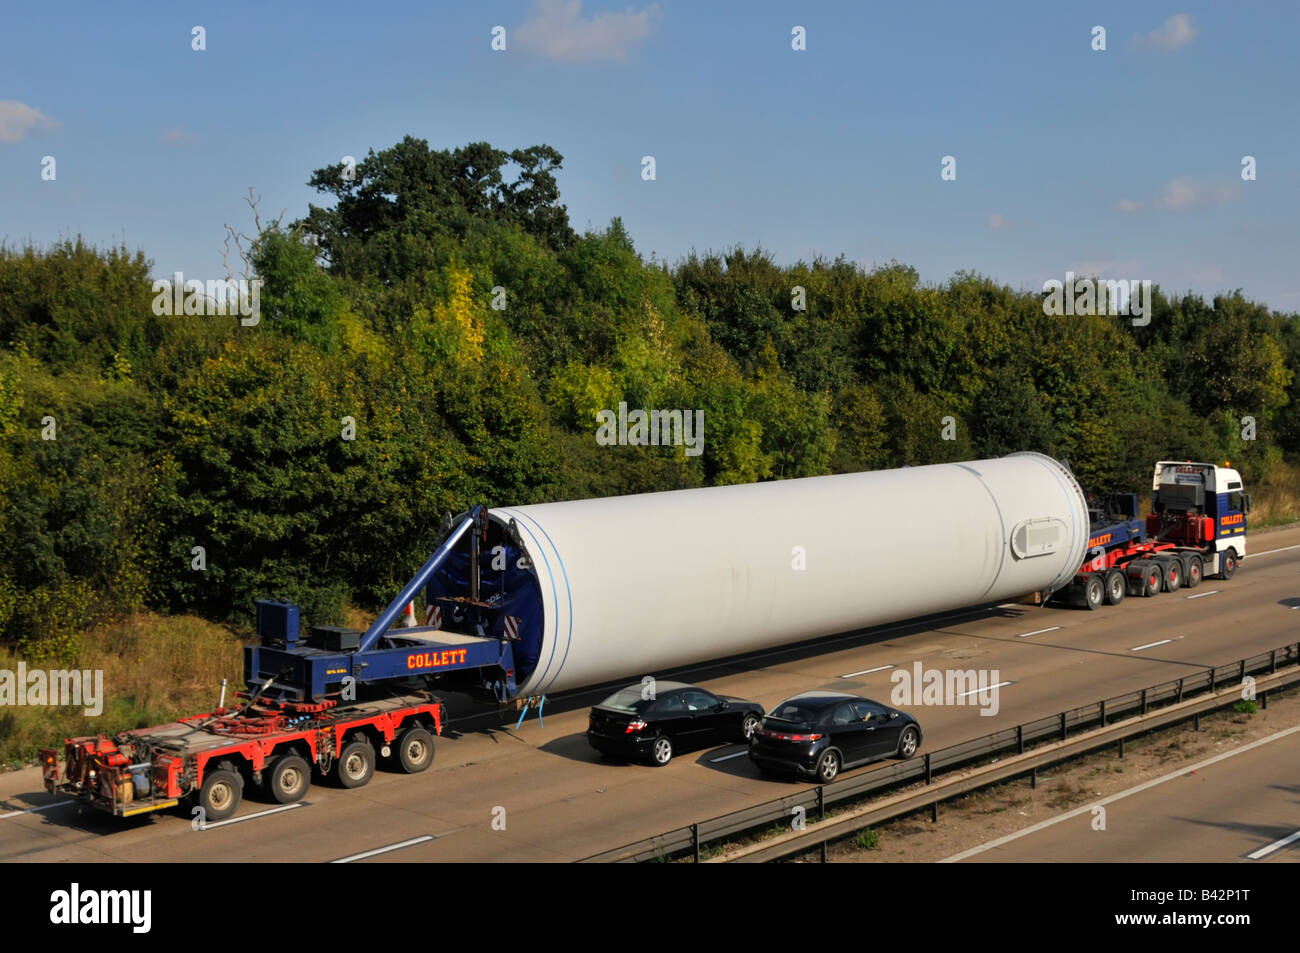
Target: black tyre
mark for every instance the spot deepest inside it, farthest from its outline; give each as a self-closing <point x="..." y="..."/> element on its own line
<point x="1094" y="591"/>
<point x="415" y="749"/>
<point x="661" y="752"/>
<point x="1193" y="571"/>
<point x="1152" y="578"/>
<point x="828" y="766"/>
<point x="908" y="742"/>
<point x="1227" y="564"/>
<point x="1171" y="569"/>
<point x="749" y="726"/>
<point x="221" y="793"/>
<point x="356" y="764"/>
<point x="289" y="779"/>
<point x="1116" y="587"/>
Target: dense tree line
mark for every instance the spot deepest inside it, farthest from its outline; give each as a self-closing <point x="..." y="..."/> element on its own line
<point x="443" y="305"/>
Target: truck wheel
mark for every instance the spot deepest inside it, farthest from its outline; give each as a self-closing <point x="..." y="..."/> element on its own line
<point x="1171" y="569"/>
<point x="415" y="750"/>
<point x="1116" y="587"/>
<point x="220" y="795"/>
<point x="1227" y="564"/>
<point x="289" y="779"/>
<point x="1094" y="591"/>
<point x="1192" y="570"/>
<point x="356" y="763"/>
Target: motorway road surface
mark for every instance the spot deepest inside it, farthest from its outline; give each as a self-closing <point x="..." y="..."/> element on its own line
<point x="560" y="802"/>
<point x="1242" y="807"/>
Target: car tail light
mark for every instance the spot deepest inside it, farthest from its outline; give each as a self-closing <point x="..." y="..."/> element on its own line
<point x="634" y="726"/>
<point x="779" y="736"/>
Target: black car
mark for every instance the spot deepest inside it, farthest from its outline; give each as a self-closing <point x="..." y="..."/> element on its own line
<point x="817" y="734"/>
<point x="679" y="717"/>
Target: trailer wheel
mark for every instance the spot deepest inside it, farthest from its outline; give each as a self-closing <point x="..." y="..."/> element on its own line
<point x="356" y="765"/>
<point x="1116" y="587"/>
<point x="415" y="750"/>
<point x="1153" y="577"/>
<point x="1227" y="564"/>
<point x="1094" y="591"/>
<point x="1192" y="571"/>
<point x="220" y="795"/>
<point x="289" y="779"/>
<point x="1171" y="569"/>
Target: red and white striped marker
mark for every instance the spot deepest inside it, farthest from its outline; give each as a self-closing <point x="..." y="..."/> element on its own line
<point x="433" y="616"/>
<point x="512" y="628"/>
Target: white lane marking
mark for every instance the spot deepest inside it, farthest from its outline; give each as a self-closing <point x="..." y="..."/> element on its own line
<point x="728" y="757"/>
<point x="383" y="850"/>
<point x="1150" y="645"/>
<point x="33" y="810"/>
<point x="978" y="691"/>
<point x="867" y="671"/>
<point x="1025" y="635"/>
<point x="1200" y="594"/>
<point x="1270" y="552"/>
<point x="1276" y="845"/>
<point x="249" y="817"/>
<point x="1088" y="808"/>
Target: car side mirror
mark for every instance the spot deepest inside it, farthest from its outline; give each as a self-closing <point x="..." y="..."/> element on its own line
<point x="893" y="714"/>
<point x="723" y="705"/>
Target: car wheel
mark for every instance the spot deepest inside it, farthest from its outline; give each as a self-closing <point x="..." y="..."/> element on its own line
<point x="356" y="764"/>
<point x="220" y="795"/>
<point x="749" y="726"/>
<point x="908" y="743"/>
<point x="662" y="751"/>
<point x="290" y="778"/>
<point x="828" y="765"/>
<point x="415" y="749"/>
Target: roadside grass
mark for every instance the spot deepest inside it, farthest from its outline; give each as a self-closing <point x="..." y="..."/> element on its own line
<point x="155" y="669"/>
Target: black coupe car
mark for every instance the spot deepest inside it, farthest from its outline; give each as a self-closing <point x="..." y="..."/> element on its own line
<point x="817" y="734"/>
<point x="678" y="718"/>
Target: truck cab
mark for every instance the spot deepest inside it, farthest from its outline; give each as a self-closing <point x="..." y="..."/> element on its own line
<point x="1202" y="506"/>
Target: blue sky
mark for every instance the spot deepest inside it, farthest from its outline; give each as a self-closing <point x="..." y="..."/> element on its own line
<point x="1124" y="163"/>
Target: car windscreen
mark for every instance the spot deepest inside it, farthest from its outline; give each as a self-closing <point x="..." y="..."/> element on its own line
<point x="796" y="713"/>
<point x="627" y="699"/>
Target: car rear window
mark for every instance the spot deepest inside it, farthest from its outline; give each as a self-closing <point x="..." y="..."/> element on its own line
<point x="627" y="699"/>
<point x="799" y="713"/>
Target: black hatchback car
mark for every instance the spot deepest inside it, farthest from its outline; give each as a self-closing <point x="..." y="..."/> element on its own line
<point x="817" y="734"/>
<point x="678" y="718"/>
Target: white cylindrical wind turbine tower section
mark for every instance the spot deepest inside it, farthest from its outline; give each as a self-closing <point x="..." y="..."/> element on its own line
<point x="635" y="585"/>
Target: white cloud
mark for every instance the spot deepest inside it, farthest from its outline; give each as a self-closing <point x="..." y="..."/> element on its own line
<point x="996" y="221"/>
<point x="558" y="31"/>
<point x="1128" y="206"/>
<point x="1175" y="33"/>
<point x="178" y="137"/>
<point x="1184" y="193"/>
<point x="17" y="119"/>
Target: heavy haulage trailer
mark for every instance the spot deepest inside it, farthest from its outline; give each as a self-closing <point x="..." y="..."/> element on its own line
<point x="521" y="602"/>
<point x="1197" y="528"/>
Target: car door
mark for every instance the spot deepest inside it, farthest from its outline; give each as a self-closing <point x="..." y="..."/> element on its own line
<point x="880" y="731"/>
<point x="847" y="732"/>
<point x="668" y="716"/>
<point x="704" y="710"/>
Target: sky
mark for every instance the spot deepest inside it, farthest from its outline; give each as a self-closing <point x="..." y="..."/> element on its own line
<point x="1121" y="163"/>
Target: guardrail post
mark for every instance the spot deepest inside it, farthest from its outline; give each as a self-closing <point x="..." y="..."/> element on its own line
<point x="1102" y="705"/>
<point x="1272" y="662"/>
<point x="821" y="807"/>
<point x="929" y="776"/>
<point x="1020" y="738"/>
<point x="1121" y="747"/>
<point x="1263" y="700"/>
<point x="1062" y="726"/>
<point x="823" y="852"/>
<point x="1033" y="777"/>
<point x="934" y="813"/>
<point x="1242" y="676"/>
<point x="695" y="843"/>
<point x="1180" y="691"/>
<point x="1196" y="722"/>
<point x="1211" y="681"/>
<point x="1144" y="701"/>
